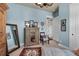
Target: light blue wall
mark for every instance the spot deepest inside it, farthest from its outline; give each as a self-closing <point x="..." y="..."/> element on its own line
<point x="17" y="14"/>
<point x="64" y="14"/>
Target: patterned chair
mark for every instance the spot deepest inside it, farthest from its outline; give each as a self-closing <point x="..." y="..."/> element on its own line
<point x="43" y="38"/>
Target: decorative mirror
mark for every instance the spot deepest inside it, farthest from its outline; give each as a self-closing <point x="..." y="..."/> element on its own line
<point x="12" y="37"/>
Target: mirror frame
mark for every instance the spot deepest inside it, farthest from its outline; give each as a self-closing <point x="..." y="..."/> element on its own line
<point x="18" y="44"/>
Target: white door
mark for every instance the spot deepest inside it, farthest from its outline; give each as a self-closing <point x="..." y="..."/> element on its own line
<point x="74" y="26"/>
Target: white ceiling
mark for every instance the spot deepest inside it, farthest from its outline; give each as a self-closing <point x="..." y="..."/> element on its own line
<point x="50" y="9"/>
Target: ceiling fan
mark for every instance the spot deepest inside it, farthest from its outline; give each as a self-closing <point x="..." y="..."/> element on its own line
<point x="41" y="5"/>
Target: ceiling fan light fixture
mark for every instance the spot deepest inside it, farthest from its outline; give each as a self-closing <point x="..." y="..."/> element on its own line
<point x="44" y="4"/>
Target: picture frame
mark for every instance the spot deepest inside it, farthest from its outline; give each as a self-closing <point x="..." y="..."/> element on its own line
<point x="63" y="25"/>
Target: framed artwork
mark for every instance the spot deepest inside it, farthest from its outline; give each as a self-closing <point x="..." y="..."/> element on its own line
<point x="31" y="51"/>
<point x="63" y="25"/>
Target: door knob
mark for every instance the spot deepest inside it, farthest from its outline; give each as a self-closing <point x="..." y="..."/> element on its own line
<point x="72" y="34"/>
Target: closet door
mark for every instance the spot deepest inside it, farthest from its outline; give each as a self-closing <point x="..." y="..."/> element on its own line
<point x="77" y="26"/>
<point x="74" y="26"/>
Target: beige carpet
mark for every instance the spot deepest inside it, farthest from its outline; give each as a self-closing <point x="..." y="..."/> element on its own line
<point x="51" y="44"/>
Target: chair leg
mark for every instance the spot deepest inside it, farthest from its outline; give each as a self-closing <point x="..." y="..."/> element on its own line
<point x="48" y="41"/>
<point x="43" y="42"/>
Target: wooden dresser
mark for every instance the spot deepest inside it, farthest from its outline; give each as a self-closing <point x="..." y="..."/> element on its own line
<point x="3" y="8"/>
<point x="32" y="36"/>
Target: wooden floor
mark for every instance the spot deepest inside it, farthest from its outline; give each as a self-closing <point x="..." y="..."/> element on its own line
<point x="51" y="44"/>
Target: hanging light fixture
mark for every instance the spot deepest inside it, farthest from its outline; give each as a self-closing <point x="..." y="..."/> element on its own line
<point x="44" y="4"/>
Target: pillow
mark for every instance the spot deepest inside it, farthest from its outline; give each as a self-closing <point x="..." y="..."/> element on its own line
<point x="77" y="52"/>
